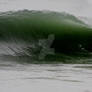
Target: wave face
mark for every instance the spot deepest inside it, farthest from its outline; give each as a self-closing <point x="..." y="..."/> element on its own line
<point x="24" y="33"/>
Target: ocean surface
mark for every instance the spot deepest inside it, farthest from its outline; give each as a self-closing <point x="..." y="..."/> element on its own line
<point x="16" y="77"/>
<point x="44" y="51"/>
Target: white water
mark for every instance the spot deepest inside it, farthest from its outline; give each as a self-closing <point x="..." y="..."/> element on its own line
<point x="45" y="78"/>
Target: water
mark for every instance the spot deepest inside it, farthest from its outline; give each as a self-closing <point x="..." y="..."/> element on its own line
<point x="24" y="37"/>
<point x="16" y="77"/>
<point x="60" y="32"/>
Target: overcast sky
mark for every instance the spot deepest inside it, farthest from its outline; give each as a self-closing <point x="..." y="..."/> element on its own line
<point x="76" y="7"/>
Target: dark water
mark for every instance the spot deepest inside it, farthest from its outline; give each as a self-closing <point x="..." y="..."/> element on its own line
<point x="44" y="35"/>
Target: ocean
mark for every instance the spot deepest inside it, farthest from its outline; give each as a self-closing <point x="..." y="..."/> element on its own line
<point x="44" y="51"/>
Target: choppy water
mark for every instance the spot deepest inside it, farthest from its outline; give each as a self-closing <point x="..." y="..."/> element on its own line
<point x="16" y="77"/>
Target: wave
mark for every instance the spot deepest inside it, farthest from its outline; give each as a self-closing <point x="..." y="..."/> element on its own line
<point x="39" y="33"/>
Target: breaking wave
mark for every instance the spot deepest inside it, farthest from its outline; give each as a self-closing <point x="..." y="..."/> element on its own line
<point x="44" y="35"/>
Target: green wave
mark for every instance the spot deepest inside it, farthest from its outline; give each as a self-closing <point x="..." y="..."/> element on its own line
<point x="71" y="34"/>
